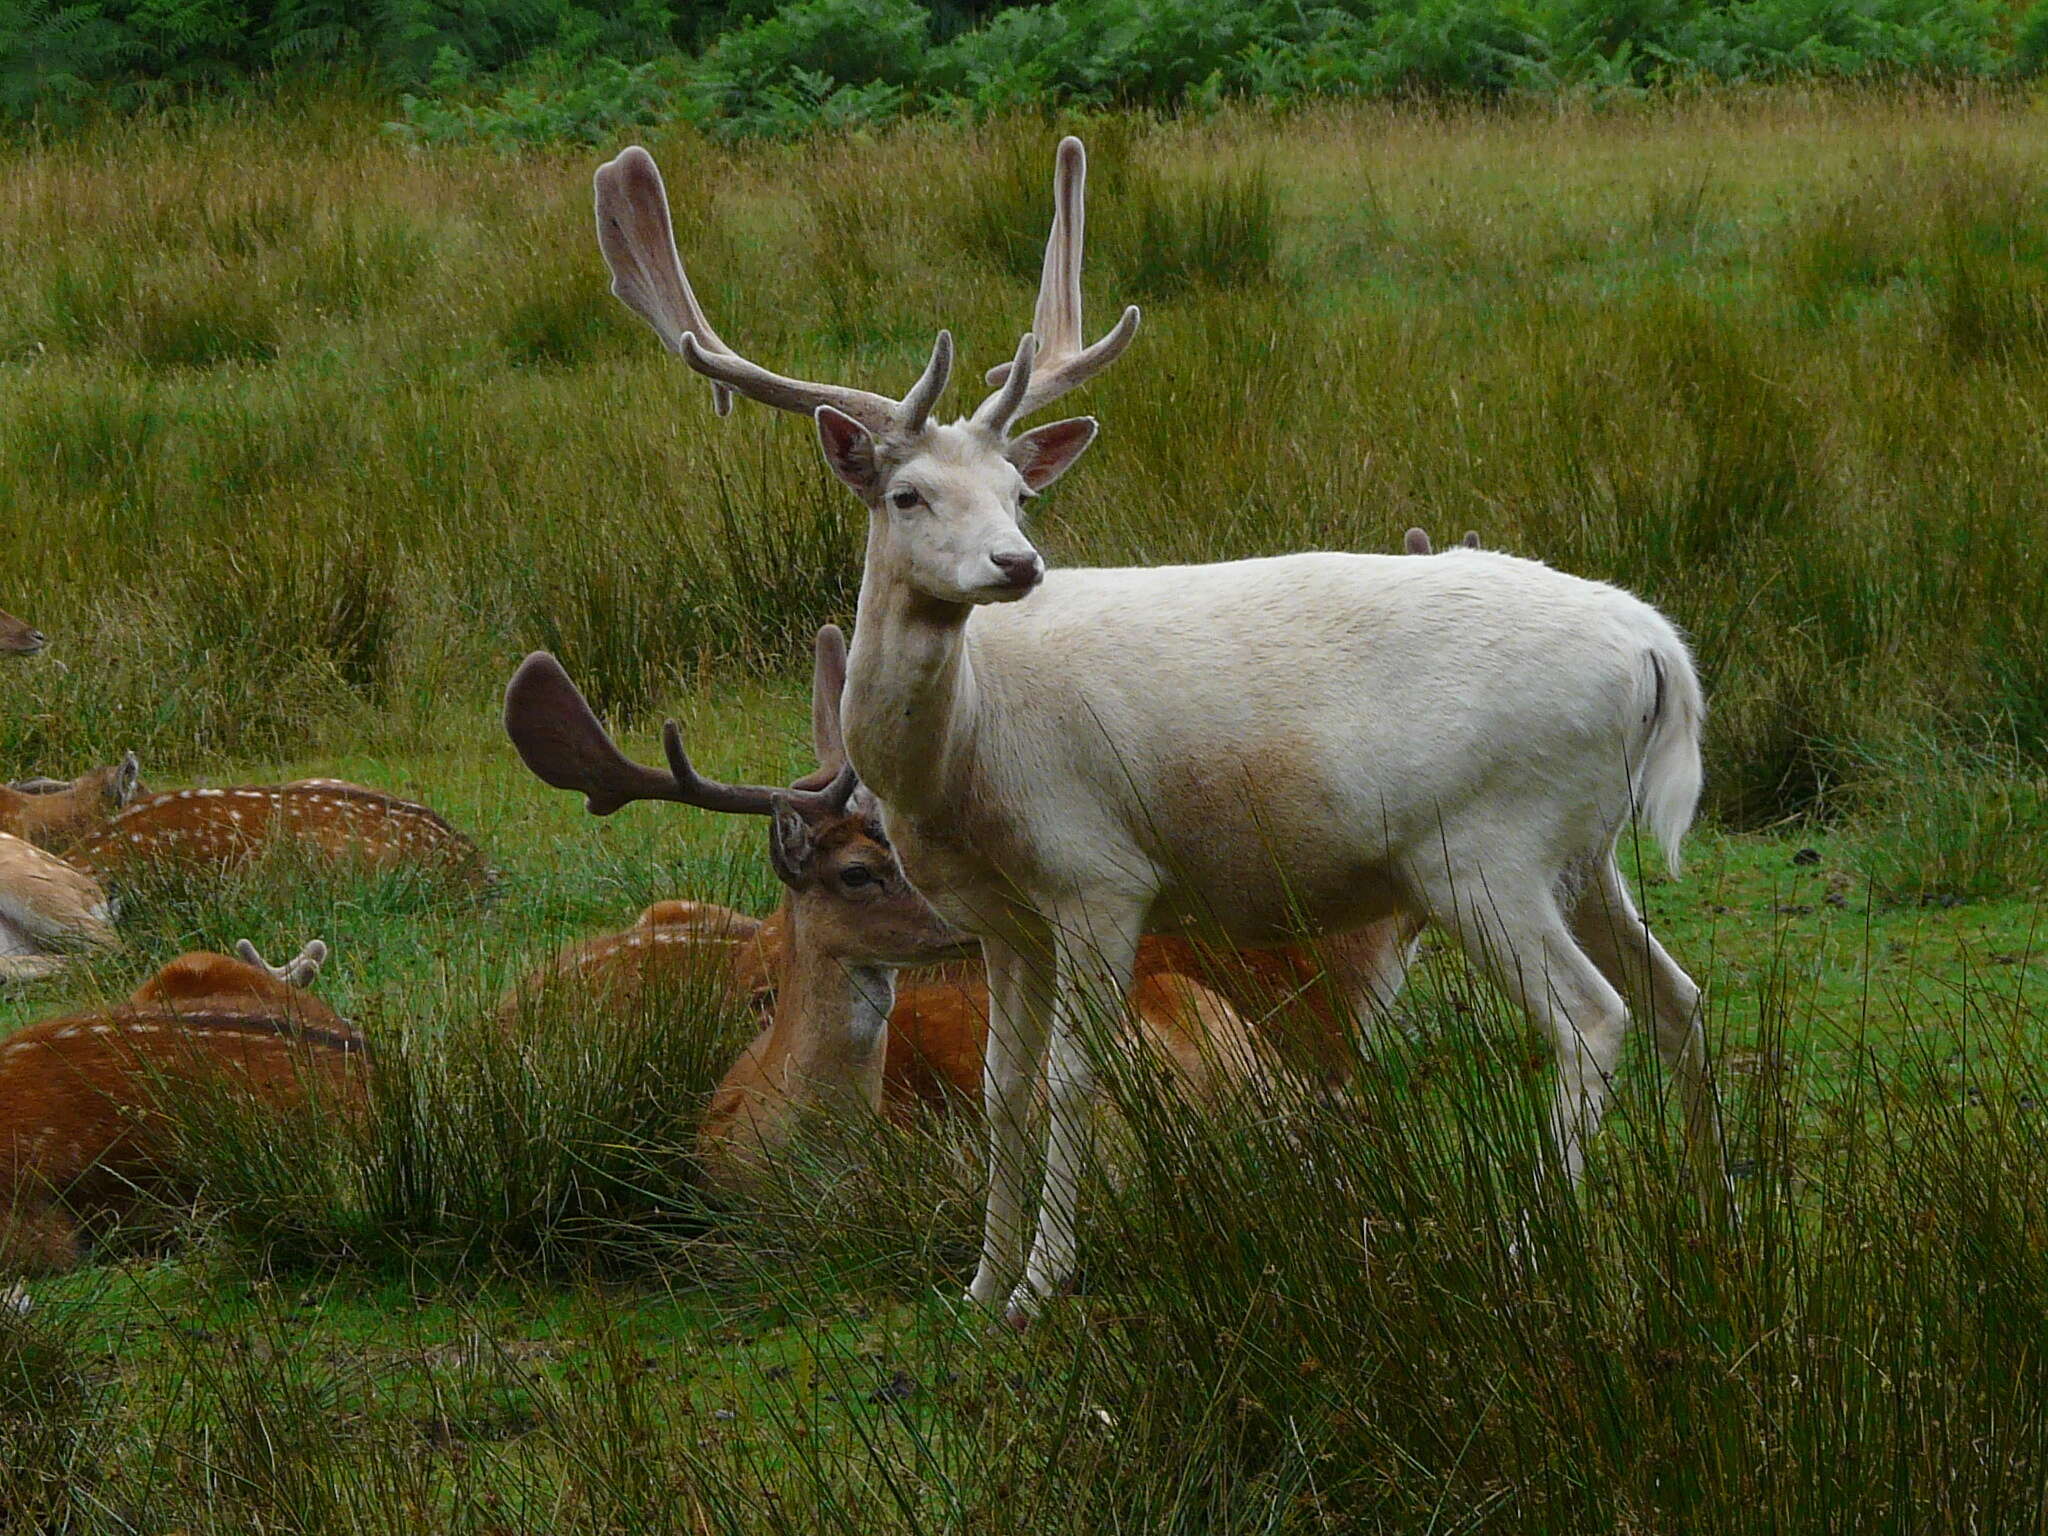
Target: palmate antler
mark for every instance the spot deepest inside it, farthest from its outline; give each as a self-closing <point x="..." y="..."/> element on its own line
<point x="1059" y="362"/>
<point x="561" y="740"/>
<point x="638" y="239"/>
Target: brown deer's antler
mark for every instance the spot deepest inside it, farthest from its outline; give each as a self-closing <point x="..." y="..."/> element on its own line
<point x="1416" y="542"/>
<point x="561" y="740"/>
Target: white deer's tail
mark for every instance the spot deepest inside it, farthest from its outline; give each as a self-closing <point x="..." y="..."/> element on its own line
<point x="1668" y="773"/>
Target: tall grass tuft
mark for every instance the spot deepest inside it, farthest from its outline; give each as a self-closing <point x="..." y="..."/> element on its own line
<point x="1218" y="234"/>
<point x="54" y="1425"/>
<point x="1304" y="1306"/>
<point x="1939" y="821"/>
<point x="534" y="1133"/>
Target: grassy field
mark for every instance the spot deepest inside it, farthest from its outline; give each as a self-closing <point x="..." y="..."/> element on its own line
<point x="310" y="436"/>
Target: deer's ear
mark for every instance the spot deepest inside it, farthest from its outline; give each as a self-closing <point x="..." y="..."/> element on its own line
<point x="790" y="848"/>
<point x="849" y="450"/>
<point x="127" y="780"/>
<point x="1045" y="453"/>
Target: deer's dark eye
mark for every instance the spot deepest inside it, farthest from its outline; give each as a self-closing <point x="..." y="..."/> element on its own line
<point x="854" y="876"/>
<point x="905" y="498"/>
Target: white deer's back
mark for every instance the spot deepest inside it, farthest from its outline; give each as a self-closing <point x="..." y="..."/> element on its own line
<point x="1325" y="716"/>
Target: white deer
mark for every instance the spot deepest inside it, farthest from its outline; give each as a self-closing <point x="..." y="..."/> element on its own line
<point x="1273" y="747"/>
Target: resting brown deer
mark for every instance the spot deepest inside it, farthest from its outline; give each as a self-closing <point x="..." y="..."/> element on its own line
<point x="673" y="948"/>
<point x="841" y="1032"/>
<point x="56" y="814"/>
<point x="83" y="1125"/>
<point x="221" y="829"/>
<point x="18" y="638"/>
<point x="50" y="911"/>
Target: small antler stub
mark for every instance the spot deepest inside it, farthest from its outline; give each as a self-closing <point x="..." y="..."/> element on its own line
<point x="299" y="971"/>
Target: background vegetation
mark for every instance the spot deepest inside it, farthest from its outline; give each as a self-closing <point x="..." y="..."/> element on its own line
<point x="511" y="70"/>
<point x="363" y="424"/>
<point x="310" y="430"/>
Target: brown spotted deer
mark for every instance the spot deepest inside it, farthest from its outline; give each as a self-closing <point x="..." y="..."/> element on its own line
<point x="18" y="638"/>
<point x="83" y="1125"/>
<point x="50" y="912"/>
<point x="674" y="948"/>
<point x="1270" y="748"/>
<point x="57" y="814"/>
<point x="214" y="830"/>
<point x="842" y="1033"/>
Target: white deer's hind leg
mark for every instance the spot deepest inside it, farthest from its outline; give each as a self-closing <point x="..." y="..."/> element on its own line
<point x="1521" y="942"/>
<point x="1097" y="954"/>
<point x="1620" y="943"/>
<point x="1020" y="994"/>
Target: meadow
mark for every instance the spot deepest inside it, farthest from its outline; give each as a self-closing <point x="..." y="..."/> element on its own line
<point x="311" y="434"/>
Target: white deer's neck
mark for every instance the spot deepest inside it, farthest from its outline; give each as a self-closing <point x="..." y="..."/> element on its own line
<point x="910" y="688"/>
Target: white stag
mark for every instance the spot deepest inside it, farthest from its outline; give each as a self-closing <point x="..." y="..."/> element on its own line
<point x="1309" y="743"/>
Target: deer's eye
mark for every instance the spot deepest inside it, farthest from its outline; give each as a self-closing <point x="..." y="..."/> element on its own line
<point x="855" y="876"/>
<point x="904" y="498"/>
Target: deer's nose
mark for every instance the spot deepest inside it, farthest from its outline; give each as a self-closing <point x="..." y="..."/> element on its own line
<point x="1022" y="571"/>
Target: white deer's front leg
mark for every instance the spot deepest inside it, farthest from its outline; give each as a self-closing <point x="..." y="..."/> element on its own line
<point x="1097" y="953"/>
<point x="1020" y="995"/>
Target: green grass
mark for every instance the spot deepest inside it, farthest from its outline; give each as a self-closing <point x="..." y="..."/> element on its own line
<point x="310" y="437"/>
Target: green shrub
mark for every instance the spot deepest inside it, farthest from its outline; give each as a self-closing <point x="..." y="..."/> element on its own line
<point x="837" y="63"/>
<point x="548" y="102"/>
<point x="513" y="72"/>
<point x="2030" y="40"/>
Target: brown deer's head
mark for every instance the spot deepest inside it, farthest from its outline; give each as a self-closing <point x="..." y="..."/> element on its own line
<point x="54" y="814"/>
<point x="848" y="894"/>
<point x="18" y="638"/>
